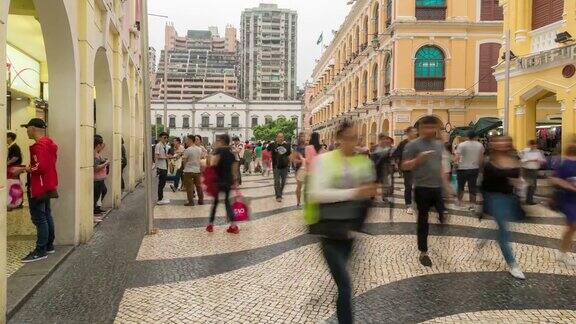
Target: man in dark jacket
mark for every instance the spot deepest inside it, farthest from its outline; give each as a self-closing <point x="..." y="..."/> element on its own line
<point x="411" y="134"/>
<point x="42" y="186"/>
<point x="280" y="164"/>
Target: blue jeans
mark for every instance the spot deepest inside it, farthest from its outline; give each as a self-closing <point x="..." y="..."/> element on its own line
<point x="500" y="206"/>
<point x="42" y="219"/>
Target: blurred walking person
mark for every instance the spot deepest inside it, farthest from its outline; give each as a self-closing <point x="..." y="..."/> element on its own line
<point x="342" y="185"/>
<point x="258" y="158"/>
<point x="176" y="162"/>
<point x="299" y="159"/>
<point x="281" y="152"/>
<point x="227" y="173"/>
<point x="564" y="180"/>
<point x="501" y="171"/>
<point x="238" y="151"/>
<point x="381" y="156"/>
<point x="191" y="161"/>
<point x="469" y="156"/>
<point x="398" y="155"/>
<point x="423" y="156"/>
<point x="532" y="160"/>
<point x="266" y="160"/>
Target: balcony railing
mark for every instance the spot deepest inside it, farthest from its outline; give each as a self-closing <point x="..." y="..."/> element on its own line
<point x="431" y="13"/>
<point x="543" y="39"/>
<point x="429" y="84"/>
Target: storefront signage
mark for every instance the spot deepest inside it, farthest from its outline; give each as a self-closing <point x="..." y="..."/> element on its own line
<point x="547" y="57"/>
<point x="24" y="72"/>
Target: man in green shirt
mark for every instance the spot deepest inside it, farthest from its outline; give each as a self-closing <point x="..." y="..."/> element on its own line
<point x="258" y="153"/>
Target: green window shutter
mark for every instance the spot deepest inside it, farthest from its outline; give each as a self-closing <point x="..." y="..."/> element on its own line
<point x="429" y="62"/>
<point x="430" y="3"/>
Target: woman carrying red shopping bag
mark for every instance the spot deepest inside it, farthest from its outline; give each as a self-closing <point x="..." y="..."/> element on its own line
<point x="225" y="166"/>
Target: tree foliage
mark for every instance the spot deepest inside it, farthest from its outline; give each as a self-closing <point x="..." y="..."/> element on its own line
<point x="267" y="132"/>
<point x="157" y="129"/>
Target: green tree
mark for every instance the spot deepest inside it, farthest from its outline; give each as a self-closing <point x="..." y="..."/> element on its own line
<point x="267" y="132"/>
<point x="157" y="129"/>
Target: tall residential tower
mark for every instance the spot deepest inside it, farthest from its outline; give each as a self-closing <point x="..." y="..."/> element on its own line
<point x="268" y="53"/>
<point x="199" y="64"/>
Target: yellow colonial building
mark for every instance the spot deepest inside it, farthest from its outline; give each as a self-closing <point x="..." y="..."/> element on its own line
<point x="394" y="61"/>
<point x="542" y="100"/>
<point x="78" y="65"/>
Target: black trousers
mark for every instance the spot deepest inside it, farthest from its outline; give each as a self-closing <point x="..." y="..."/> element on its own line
<point x="229" y="211"/>
<point x="408" y="180"/>
<point x="162" y="175"/>
<point x="426" y="198"/>
<point x="469" y="177"/>
<point x="100" y="191"/>
<point x="337" y="253"/>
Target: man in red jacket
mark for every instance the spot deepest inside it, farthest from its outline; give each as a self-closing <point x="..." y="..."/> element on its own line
<point x="42" y="186"/>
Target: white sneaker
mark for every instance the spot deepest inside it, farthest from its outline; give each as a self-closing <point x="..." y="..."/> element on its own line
<point x="516" y="272"/>
<point x="163" y="202"/>
<point x="409" y="211"/>
<point x="566" y="259"/>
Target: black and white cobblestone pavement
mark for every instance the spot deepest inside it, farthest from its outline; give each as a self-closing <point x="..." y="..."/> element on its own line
<point x="272" y="272"/>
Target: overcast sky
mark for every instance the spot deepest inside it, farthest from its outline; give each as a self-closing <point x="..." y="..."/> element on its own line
<point x="314" y="17"/>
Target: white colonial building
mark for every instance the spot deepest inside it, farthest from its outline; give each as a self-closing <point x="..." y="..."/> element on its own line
<point x="221" y="113"/>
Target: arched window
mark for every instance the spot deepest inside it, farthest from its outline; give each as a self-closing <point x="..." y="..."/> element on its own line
<point x="388" y="13"/>
<point x="431" y="9"/>
<point x="429" y="69"/>
<point x="185" y="121"/>
<point x="172" y="121"/>
<point x="375" y="82"/>
<point x="376" y="21"/>
<point x="365" y="87"/>
<point x="355" y="94"/>
<point x="357" y="40"/>
<point x="349" y="100"/>
<point x="387" y="75"/>
<point x="366" y="31"/>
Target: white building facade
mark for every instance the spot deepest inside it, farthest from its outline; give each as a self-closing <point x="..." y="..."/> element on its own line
<point x="221" y="113"/>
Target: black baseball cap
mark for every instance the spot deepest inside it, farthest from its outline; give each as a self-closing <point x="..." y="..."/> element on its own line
<point x="36" y="122"/>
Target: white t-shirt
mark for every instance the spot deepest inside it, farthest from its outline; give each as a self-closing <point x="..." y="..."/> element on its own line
<point x="528" y="157"/>
<point x="160" y="151"/>
<point x="193" y="154"/>
<point x="470" y="153"/>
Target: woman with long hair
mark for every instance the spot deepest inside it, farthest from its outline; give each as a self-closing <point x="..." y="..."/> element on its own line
<point x="501" y="172"/>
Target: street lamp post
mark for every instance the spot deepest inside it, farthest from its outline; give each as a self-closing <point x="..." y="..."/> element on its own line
<point x="149" y="208"/>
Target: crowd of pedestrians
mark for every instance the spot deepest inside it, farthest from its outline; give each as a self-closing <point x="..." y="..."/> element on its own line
<point x="336" y="184"/>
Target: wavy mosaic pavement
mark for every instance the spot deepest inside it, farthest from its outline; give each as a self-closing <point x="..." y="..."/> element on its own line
<point x="273" y="271"/>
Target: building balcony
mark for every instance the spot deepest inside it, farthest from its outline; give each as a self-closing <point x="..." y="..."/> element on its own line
<point x="543" y="39"/>
<point x="429" y="84"/>
<point x="431" y="13"/>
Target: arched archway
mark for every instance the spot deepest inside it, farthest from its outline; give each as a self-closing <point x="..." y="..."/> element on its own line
<point x="386" y="127"/>
<point x="374" y="82"/>
<point x="363" y="134"/>
<point x="373" y="133"/>
<point x="104" y="116"/>
<point x="364" y="98"/>
<point x="127" y="140"/>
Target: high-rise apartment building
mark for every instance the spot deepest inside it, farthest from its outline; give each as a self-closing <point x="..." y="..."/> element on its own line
<point x="199" y="64"/>
<point x="152" y="64"/>
<point x="268" y="53"/>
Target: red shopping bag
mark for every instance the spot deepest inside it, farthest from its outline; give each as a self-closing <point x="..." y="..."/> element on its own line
<point x="240" y="208"/>
<point x="210" y="181"/>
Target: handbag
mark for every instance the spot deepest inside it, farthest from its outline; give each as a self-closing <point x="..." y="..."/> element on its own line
<point x="337" y="220"/>
<point x="240" y="208"/>
<point x="210" y="181"/>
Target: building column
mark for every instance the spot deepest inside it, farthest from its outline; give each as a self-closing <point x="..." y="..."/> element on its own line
<point x="568" y="108"/>
<point x="520" y="125"/>
<point x="521" y="21"/>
